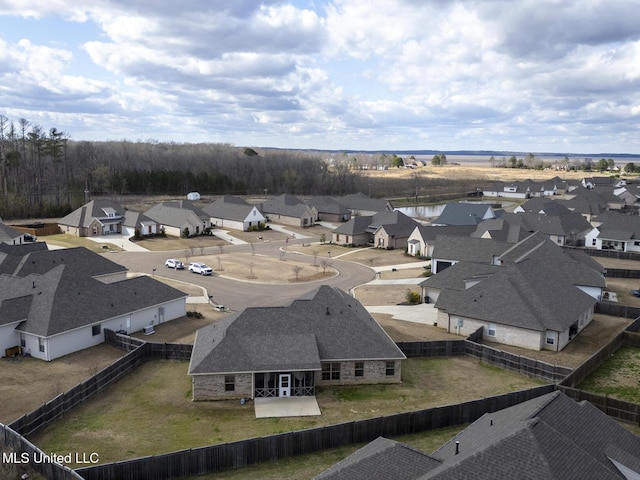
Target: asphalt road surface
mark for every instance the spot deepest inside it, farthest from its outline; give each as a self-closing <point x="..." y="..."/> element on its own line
<point x="236" y="294"/>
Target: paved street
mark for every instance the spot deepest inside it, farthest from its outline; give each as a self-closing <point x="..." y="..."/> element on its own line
<point x="237" y="294"/>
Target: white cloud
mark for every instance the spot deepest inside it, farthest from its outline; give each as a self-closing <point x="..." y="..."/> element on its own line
<point x="342" y="74"/>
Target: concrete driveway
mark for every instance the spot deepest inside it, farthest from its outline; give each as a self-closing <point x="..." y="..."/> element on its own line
<point x="121" y="241"/>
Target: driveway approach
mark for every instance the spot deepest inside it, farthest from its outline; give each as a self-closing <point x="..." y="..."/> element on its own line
<point x="236" y="294"/>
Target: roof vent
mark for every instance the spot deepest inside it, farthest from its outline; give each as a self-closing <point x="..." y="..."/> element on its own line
<point x="327" y="311"/>
<point x="457" y="447"/>
<point x="33" y="284"/>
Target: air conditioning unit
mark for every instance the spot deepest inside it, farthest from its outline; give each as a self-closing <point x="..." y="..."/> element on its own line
<point x="148" y="330"/>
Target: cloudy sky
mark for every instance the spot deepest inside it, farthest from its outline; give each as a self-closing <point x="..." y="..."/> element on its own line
<point x="526" y="75"/>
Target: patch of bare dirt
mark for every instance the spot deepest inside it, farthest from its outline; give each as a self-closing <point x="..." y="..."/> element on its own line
<point x="383" y="294"/>
<point x="403" y="331"/>
<point x="26" y="383"/>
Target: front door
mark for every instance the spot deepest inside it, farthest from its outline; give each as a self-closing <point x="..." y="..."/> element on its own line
<point x="284" y="382"/>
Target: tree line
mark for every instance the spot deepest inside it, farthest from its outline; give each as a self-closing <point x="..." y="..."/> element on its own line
<point x="44" y="173"/>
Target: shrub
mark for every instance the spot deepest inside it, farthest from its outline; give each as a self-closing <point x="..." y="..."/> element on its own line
<point x="412" y="296"/>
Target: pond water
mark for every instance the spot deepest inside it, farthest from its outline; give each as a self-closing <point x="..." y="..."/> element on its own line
<point x="431" y="211"/>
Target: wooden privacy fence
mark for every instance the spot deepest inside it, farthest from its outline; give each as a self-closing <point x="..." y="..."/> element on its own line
<point x="440" y="348"/>
<point x="167" y="351"/>
<point x="516" y="363"/>
<point x="625" y="411"/>
<point x="586" y="368"/>
<point x="218" y="458"/>
<point x="45" y="414"/>
<point x="617" y="309"/>
<point x="622" y="273"/>
<point x="13" y="441"/>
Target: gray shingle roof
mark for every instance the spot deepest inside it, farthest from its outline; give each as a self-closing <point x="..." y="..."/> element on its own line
<point x="430" y="232"/>
<point x="550" y="437"/>
<point x="8" y="233"/>
<point x="324" y="325"/>
<point x="327" y="204"/>
<point x="381" y="459"/>
<point x="458" y="213"/>
<point x="395" y="222"/>
<point x="98" y="208"/>
<point x="229" y="207"/>
<point x="176" y="213"/>
<point x="500" y="230"/>
<point x="467" y="249"/>
<point x="64" y="295"/>
<point x="524" y="295"/>
<point x="361" y="202"/>
<point x="287" y="205"/>
<point x="566" y="224"/>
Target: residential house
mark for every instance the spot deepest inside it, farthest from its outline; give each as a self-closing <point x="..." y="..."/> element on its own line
<point x="392" y="229"/>
<point x="458" y="213"/>
<point x="533" y="295"/>
<point x="551" y="437"/>
<point x="179" y="216"/>
<point x="329" y="209"/>
<point x="10" y="235"/>
<point x="136" y="221"/>
<point x="543" y="206"/>
<point x="614" y="231"/>
<point x="568" y="228"/>
<point x="422" y="238"/>
<point x="449" y="250"/>
<point x="525" y="188"/>
<point x="361" y="204"/>
<point x="95" y="218"/>
<point x="289" y="210"/>
<point x="500" y="230"/>
<point x="626" y="195"/>
<point x="383" y="229"/>
<point x="56" y="302"/>
<point x="586" y="202"/>
<point x="234" y="212"/>
<point x="325" y="337"/>
<point x="593" y="182"/>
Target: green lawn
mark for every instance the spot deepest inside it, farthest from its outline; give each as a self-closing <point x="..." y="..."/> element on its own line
<point x="618" y="377"/>
<point x="151" y="412"/>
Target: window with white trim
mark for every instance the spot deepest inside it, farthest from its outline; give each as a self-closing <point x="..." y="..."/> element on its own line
<point x="551" y="338"/>
<point x="359" y="369"/>
<point x="491" y="330"/>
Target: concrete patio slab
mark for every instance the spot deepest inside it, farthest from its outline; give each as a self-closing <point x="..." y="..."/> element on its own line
<point x="286" y="407"/>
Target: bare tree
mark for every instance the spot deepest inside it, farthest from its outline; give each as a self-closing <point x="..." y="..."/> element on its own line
<point x="325" y="264"/>
<point x="296" y="271"/>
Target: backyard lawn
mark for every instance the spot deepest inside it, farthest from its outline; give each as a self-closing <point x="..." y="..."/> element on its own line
<point x="151" y="412"/>
<point x="618" y="377"/>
